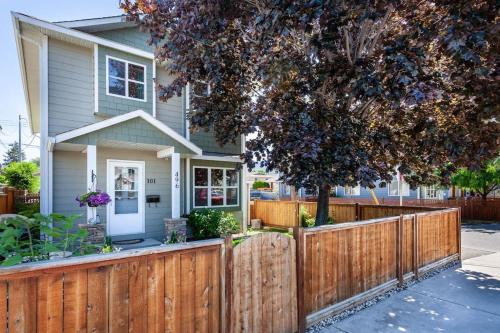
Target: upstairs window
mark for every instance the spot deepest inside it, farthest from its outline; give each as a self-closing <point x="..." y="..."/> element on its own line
<point x="215" y="187"/>
<point x="125" y="79"/>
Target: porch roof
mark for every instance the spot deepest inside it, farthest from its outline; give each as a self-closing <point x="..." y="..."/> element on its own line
<point x="154" y="133"/>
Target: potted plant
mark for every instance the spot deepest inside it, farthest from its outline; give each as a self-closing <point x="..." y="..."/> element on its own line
<point x="93" y="199"/>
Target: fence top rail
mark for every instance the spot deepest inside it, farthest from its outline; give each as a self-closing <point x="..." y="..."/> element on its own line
<point x="348" y="225"/>
<point x="354" y="224"/>
<point x="94" y="260"/>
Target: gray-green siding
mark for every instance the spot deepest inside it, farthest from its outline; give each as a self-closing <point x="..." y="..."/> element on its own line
<point x="206" y="141"/>
<point x="128" y="36"/>
<point x="71" y="87"/>
<point x="170" y="112"/>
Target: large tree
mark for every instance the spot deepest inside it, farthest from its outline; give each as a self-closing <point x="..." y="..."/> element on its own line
<point x="337" y="92"/>
<point x="483" y="181"/>
<point x="12" y="154"/>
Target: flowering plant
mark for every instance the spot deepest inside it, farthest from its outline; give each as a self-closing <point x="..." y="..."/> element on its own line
<point x="94" y="199"/>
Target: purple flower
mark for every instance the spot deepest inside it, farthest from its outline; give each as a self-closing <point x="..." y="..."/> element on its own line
<point x="94" y="199"/>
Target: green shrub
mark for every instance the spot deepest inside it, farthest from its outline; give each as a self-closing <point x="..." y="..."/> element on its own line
<point x="260" y="184"/>
<point x="19" y="240"/>
<point x="306" y="220"/>
<point x="20" y="175"/>
<point x="28" y="209"/>
<point x="212" y="223"/>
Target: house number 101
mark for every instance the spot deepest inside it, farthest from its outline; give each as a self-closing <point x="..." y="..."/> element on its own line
<point x="151" y="180"/>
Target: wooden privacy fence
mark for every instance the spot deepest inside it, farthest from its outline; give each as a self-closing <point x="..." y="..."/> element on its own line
<point x="7" y="203"/>
<point x="168" y="289"/>
<point x="285" y="214"/>
<point x="346" y="264"/>
<point x="268" y="283"/>
<point x="261" y="284"/>
<point x="471" y="208"/>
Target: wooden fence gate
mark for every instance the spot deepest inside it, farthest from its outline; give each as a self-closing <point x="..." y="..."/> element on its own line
<point x="261" y="285"/>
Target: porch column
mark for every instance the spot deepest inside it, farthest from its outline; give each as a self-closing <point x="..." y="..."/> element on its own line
<point x="176" y="185"/>
<point x="187" y="189"/>
<point x="91" y="174"/>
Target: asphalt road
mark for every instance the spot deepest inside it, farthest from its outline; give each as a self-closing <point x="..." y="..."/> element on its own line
<point x="464" y="299"/>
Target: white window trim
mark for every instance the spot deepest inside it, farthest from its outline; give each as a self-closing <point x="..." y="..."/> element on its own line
<point x="357" y="191"/>
<point x="209" y="187"/>
<point x="437" y="191"/>
<point x="127" y="80"/>
<point x="405" y="193"/>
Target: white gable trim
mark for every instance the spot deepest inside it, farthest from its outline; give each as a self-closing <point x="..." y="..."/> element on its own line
<point x="122" y="118"/>
<point x="82" y="35"/>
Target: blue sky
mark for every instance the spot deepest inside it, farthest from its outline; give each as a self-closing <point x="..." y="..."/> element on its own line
<point x="11" y="91"/>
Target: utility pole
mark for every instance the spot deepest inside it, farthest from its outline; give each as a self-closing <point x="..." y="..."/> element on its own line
<point x="20" y="147"/>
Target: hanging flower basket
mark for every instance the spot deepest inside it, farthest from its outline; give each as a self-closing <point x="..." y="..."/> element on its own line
<point x="94" y="199"/>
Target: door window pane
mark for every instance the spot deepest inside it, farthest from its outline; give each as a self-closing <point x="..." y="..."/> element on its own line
<point x="231" y="196"/>
<point x="125" y="178"/>
<point x="126" y="202"/>
<point x="217" y="177"/>
<point x="201" y="197"/>
<point x="200" y="177"/>
<point x="217" y="196"/>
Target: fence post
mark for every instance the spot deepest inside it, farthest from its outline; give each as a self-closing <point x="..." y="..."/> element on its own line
<point x="297" y="215"/>
<point x="228" y="278"/>
<point x="298" y="235"/>
<point x="459" y="232"/>
<point x="399" y="250"/>
<point x="358" y="212"/>
<point x="415" y="246"/>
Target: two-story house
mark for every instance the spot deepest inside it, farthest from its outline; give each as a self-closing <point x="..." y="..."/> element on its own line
<point x="90" y="94"/>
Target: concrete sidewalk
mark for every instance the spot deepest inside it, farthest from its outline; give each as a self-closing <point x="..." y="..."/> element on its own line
<point x="462" y="299"/>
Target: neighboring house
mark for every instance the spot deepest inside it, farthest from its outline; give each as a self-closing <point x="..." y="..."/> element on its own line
<point x="391" y="191"/>
<point x="90" y="93"/>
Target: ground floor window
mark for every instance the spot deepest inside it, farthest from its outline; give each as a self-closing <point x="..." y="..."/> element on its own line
<point x="352" y="190"/>
<point x="432" y="192"/>
<point x="393" y="187"/>
<point x="215" y="187"/>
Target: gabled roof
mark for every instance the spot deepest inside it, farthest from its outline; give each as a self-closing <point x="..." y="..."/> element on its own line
<point x="60" y="29"/>
<point x="125" y="117"/>
<point x="28" y="31"/>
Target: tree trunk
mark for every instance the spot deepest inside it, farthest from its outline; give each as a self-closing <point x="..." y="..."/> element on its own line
<point x="322" y="204"/>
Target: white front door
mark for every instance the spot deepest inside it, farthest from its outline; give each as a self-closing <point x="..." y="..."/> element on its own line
<point x="125" y="185"/>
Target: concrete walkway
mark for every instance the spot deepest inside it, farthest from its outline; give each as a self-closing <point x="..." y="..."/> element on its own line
<point x="463" y="299"/>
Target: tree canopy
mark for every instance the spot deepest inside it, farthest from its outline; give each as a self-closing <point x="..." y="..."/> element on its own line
<point x="20" y="175"/>
<point x="12" y="154"/>
<point x="337" y="92"/>
<point x="482" y="181"/>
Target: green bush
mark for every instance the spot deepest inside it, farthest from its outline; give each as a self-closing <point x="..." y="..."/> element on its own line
<point x="28" y="209"/>
<point x="260" y="184"/>
<point x="20" y="175"/>
<point x="306" y="220"/>
<point x="212" y="223"/>
<point x="20" y="240"/>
